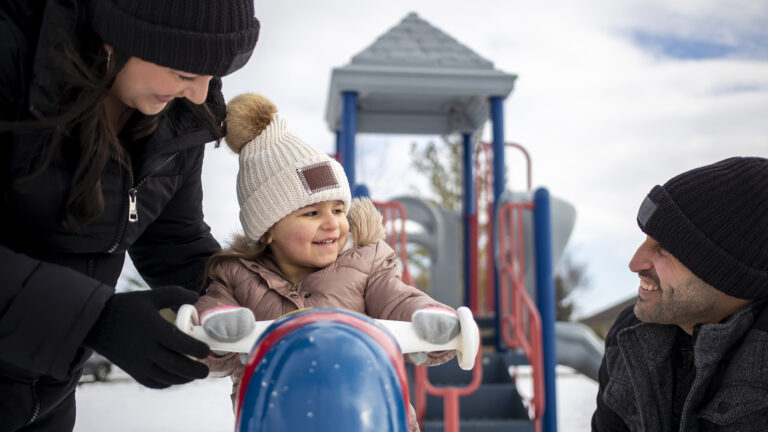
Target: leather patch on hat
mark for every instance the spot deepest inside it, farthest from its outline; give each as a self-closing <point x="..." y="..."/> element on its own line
<point x="317" y="177"/>
<point x="647" y="209"/>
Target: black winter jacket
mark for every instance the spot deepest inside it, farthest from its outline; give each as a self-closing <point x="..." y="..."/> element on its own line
<point x="729" y="391"/>
<point x="56" y="282"/>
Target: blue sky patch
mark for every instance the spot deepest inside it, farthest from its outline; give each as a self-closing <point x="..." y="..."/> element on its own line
<point x="737" y="88"/>
<point x="745" y="45"/>
<point x="681" y="48"/>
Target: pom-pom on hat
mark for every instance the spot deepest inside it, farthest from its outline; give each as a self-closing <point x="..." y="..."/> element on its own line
<point x="714" y="220"/>
<point x="196" y="36"/>
<point x="279" y="173"/>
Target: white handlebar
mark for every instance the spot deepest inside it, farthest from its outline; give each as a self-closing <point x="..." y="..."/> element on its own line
<point x="466" y="343"/>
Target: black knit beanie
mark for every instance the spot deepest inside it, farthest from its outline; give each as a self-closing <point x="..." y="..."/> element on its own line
<point x="203" y="37"/>
<point x="714" y="219"/>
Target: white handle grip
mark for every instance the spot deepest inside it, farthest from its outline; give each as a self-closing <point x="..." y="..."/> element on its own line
<point x="466" y="343"/>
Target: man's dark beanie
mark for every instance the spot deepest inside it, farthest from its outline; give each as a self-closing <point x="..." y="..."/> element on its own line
<point x="714" y="219"/>
<point x="198" y="36"/>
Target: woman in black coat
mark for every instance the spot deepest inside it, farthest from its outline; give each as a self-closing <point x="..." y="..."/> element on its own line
<point x="105" y="107"/>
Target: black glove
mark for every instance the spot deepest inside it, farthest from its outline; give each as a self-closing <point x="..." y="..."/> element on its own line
<point x="133" y="335"/>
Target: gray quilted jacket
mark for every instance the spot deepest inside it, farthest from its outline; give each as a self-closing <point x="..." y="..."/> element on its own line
<point x="729" y="391"/>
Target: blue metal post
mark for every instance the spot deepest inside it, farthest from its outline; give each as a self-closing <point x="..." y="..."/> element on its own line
<point x="339" y="146"/>
<point x="348" y="131"/>
<point x="361" y="191"/>
<point x="497" y="145"/>
<point x="545" y="301"/>
<point x="469" y="210"/>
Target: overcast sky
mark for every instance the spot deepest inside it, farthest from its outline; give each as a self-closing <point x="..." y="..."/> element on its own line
<point x="612" y="97"/>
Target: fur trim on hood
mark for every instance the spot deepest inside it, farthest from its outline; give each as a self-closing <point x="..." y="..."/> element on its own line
<point x="365" y="223"/>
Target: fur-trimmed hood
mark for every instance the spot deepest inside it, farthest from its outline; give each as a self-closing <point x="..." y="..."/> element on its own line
<point x="365" y="223"/>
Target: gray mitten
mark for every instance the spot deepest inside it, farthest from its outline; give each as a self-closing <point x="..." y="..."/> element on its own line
<point x="228" y="324"/>
<point x="435" y="325"/>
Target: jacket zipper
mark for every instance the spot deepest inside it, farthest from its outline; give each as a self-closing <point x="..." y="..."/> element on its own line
<point x="123" y="221"/>
<point x="132" y="215"/>
<point x="36" y="400"/>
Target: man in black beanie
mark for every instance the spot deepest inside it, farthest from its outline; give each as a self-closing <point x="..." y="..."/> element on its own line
<point x="692" y="353"/>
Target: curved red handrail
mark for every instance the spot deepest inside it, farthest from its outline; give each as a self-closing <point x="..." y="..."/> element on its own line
<point x="393" y="218"/>
<point x="527" y="161"/>
<point x="523" y="329"/>
<point x="484" y="201"/>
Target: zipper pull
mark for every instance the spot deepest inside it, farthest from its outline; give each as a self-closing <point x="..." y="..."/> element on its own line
<point x="133" y="215"/>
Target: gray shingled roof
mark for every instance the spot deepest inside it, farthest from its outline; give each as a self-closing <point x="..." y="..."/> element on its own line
<point x="416" y="79"/>
<point x="415" y="42"/>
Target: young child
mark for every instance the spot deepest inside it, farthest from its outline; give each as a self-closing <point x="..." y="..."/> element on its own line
<point x="305" y="243"/>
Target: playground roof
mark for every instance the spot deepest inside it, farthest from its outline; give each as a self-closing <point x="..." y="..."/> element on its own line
<point x="416" y="79"/>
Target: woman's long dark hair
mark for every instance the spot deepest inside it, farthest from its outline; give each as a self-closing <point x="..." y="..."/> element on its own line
<point x="87" y="72"/>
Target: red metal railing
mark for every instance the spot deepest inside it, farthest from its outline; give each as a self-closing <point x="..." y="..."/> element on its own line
<point x="484" y="202"/>
<point x="484" y="195"/>
<point x="393" y="217"/>
<point x="450" y="394"/>
<point x="521" y="323"/>
<point x="523" y="329"/>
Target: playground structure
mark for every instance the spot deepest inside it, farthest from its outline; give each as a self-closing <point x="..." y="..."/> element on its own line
<point x="415" y="79"/>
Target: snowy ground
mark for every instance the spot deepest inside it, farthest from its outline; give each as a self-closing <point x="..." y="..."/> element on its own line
<point x="122" y="405"/>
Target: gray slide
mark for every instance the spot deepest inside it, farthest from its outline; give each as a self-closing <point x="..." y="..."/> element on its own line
<point x="579" y="347"/>
<point x="438" y="230"/>
<point x="562" y="219"/>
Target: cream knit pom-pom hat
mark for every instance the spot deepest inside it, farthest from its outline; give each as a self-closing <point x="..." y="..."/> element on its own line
<point x="279" y="173"/>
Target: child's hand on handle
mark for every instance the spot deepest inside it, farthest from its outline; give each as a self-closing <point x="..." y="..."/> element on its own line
<point x="435" y="325"/>
<point x="228" y="324"/>
<point x="224" y="332"/>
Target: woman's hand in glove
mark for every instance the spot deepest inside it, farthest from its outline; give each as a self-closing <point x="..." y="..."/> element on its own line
<point x="133" y="335"/>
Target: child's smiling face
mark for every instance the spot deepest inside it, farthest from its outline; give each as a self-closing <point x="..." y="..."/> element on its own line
<point x="309" y="238"/>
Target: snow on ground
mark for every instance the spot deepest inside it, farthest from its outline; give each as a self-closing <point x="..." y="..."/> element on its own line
<point x="575" y="396"/>
<point x="122" y="405"/>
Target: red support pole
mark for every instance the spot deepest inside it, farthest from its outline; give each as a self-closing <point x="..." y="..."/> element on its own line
<point x="451" y="406"/>
<point x="450" y="394"/>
